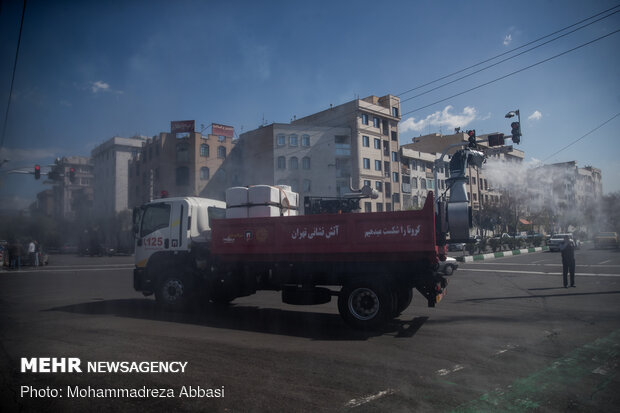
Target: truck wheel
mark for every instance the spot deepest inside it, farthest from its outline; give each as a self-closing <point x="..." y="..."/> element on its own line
<point x="173" y="293"/>
<point x="403" y="300"/>
<point x="365" y="304"/>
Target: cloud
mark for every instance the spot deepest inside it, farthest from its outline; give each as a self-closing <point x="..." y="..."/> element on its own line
<point x="507" y="39"/>
<point x="535" y="116"/>
<point x="442" y="118"/>
<point x="101" y="86"/>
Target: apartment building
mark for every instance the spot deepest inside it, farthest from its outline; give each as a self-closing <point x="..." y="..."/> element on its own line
<point x="371" y="152"/>
<point x="314" y="161"/>
<point x="72" y="200"/>
<point x="178" y="163"/>
<point x="418" y="176"/>
<point x="111" y="174"/>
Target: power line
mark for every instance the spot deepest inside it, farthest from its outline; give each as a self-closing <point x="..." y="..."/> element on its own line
<point x="8" y="105"/>
<point x="507" y="52"/>
<point x="587" y="134"/>
<point x="506" y="59"/>
<point x="513" y="73"/>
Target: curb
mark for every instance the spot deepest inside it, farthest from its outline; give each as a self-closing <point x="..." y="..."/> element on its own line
<point x="493" y="255"/>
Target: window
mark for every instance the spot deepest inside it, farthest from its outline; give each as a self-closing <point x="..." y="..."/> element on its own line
<point x="204" y="150"/>
<point x="388" y="189"/>
<point x="379" y="207"/>
<point x="307" y="185"/>
<point x="364" y="119"/>
<point x="376" y="122"/>
<point x="430" y="184"/>
<point x="367" y="207"/>
<point x="379" y="186"/>
<point x="394" y="176"/>
<point x="422" y="183"/>
<point x="366" y="141"/>
<point x="182" y="176"/>
<point x="414" y="183"/>
<point x="473" y="180"/>
<point x="388" y="207"/>
<point x="156" y="216"/>
<point x="394" y="156"/>
<point x="475" y="197"/>
<point x="394" y="135"/>
<point x="366" y="163"/>
<point x="281" y="162"/>
<point x="221" y="152"/>
<point x="386" y="148"/>
<point x="366" y="182"/>
<point x="292" y="140"/>
<point x="396" y="198"/>
<point x="386" y="127"/>
<point x="377" y="143"/>
<point x="281" y="140"/>
<point x="414" y="165"/>
<point x="386" y="169"/>
<point x="204" y="173"/>
<point x="394" y="111"/>
<point x="305" y="140"/>
<point x="182" y="152"/>
<point x="221" y="138"/>
<point x="377" y="165"/>
<point x="305" y="162"/>
<point x="293" y="163"/>
<point x="343" y="147"/>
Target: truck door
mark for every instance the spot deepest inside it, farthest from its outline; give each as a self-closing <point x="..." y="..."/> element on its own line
<point x="178" y="226"/>
<point x="154" y="231"/>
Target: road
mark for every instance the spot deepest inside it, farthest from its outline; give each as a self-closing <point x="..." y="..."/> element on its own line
<point x="507" y="337"/>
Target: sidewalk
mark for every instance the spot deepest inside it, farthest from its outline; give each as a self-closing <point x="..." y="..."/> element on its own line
<point x="493" y="255"/>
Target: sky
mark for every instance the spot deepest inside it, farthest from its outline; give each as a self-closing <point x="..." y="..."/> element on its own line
<point x="90" y="70"/>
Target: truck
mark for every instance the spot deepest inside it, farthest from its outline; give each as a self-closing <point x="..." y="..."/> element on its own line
<point x="187" y="251"/>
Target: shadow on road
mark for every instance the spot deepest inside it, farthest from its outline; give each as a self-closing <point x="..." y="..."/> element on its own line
<point x="315" y="326"/>
<point x="539" y="295"/>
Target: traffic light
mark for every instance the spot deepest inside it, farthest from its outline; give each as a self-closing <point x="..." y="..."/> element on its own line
<point x="37" y="172"/>
<point x="72" y="175"/>
<point x="471" y="138"/>
<point x="516" y="132"/>
<point x="496" y="139"/>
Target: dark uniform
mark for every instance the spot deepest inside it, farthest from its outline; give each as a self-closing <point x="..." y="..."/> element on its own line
<point x="568" y="261"/>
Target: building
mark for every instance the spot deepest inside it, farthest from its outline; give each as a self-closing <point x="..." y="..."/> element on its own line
<point x="178" y="163"/>
<point x="73" y="198"/>
<point x="314" y="161"/>
<point x="418" y="176"/>
<point x="111" y="174"/>
<point x="374" y="146"/>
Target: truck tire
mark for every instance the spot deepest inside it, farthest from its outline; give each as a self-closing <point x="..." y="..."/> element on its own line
<point x="403" y="300"/>
<point x="173" y="293"/>
<point x="366" y="304"/>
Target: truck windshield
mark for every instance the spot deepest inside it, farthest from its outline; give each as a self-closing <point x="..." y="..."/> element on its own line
<point x="155" y="217"/>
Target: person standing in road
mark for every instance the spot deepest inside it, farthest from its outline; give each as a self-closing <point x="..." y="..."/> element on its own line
<point x="568" y="261"/>
<point x="32" y="250"/>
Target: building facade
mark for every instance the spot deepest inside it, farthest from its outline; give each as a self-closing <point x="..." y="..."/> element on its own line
<point x="111" y="174"/>
<point x="72" y="198"/>
<point x="371" y="153"/>
<point x="176" y="164"/>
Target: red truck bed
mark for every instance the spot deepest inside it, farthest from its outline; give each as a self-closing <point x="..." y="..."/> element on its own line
<point x="405" y="236"/>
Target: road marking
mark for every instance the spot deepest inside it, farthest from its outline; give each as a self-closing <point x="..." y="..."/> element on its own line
<point x="538" y="272"/>
<point x="505" y="349"/>
<point x="539" y="265"/>
<point x="601" y="263"/>
<point x="65" y="270"/>
<point x="445" y="372"/>
<point x="367" y="399"/>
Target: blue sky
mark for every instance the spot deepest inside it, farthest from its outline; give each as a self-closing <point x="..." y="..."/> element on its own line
<point x="90" y="70"/>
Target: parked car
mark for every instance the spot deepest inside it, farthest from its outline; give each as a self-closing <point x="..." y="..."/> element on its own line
<point x="606" y="239"/>
<point x="456" y="246"/>
<point x="448" y="266"/>
<point x="556" y="240"/>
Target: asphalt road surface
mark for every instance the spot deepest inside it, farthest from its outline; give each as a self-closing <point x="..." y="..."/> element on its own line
<point x="507" y="337"/>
